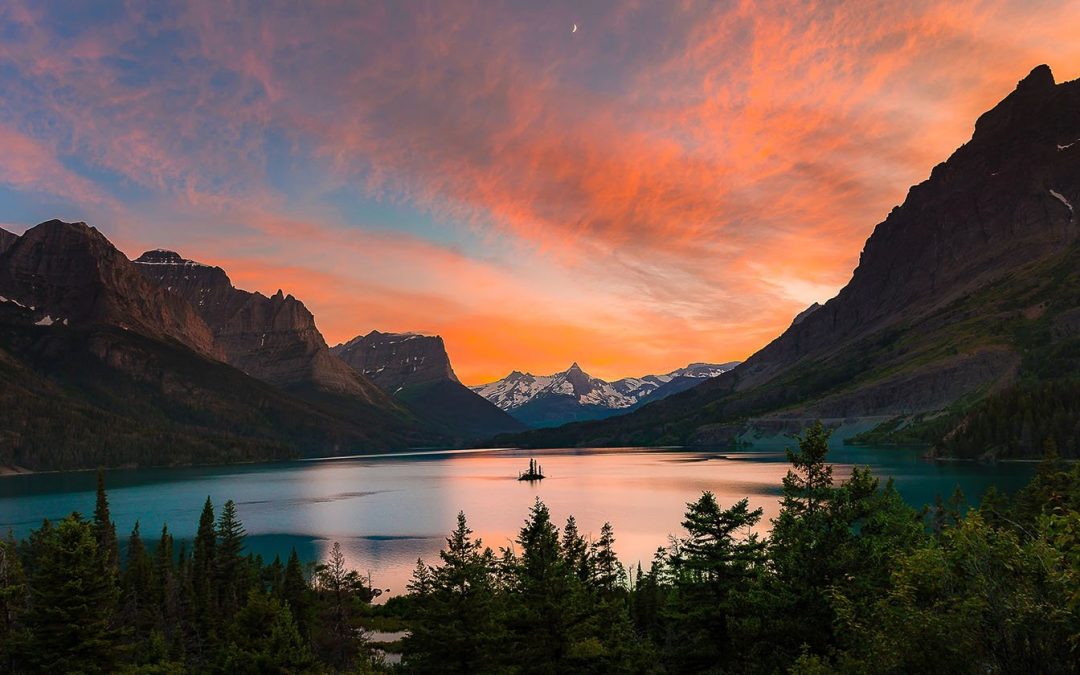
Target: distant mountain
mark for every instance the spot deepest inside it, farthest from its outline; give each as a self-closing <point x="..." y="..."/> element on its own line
<point x="572" y="395"/>
<point x="99" y="366"/>
<point x="967" y="289"/>
<point x="416" y="369"/>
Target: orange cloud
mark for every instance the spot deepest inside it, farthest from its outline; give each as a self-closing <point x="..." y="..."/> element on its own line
<point x="671" y="183"/>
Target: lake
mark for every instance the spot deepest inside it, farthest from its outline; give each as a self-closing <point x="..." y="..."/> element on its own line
<point x="388" y="510"/>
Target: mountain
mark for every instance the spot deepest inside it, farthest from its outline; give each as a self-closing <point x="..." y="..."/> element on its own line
<point x="571" y="395"/>
<point x="273" y="339"/>
<point x="100" y="366"/>
<point x="7" y="239"/>
<point x="416" y="369"/>
<point x="69" y="272"/>
<point x="966" y="290"/>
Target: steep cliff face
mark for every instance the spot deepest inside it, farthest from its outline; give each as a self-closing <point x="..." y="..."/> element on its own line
<point x="1002" y="200"/>
<point x="273" y="339"/>
<point x="70" y="273"/>
<point x="393" y="360"/>
<point x="100" y="366"/>
<point x="961" y="290"/>
<point x="7" y="240"/>
<point x="416" y="369"/>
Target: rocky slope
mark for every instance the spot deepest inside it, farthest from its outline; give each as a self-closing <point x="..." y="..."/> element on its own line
<point x="961" y="291"/>
<point x="69" y="272"/>
<point x="273" y="339"/>
<point x="571" y="395"/>
<point x="101" y="367"/>
<point x="7" y="239"/>
<point x="416" y="369"/>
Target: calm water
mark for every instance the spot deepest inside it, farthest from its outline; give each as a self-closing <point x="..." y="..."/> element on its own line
<point x="386" y="511"/>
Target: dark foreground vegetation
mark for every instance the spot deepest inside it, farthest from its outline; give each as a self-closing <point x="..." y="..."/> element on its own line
<point x="850" y="579"/>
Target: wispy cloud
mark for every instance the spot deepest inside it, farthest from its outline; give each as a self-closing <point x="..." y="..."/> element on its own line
<point x="670" y="183"/>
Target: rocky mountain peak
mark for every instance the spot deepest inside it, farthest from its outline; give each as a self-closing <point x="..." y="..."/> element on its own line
<point x="395" y="360"/>
<point x="7" y="239"/>
<point x="72" y="272"/>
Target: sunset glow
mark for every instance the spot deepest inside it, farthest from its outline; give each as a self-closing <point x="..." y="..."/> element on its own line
<point x="671" y="182"/>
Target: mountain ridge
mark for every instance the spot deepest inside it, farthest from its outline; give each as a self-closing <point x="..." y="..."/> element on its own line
<point x="939" y="311"/>
<point x="572" y="394"/>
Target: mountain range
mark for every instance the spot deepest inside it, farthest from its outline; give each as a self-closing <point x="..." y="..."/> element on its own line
<point x="966" y="292"/>
<point x="161" y="360"/>
<point x="573" y="395"/>
<point x="960" y="326"/>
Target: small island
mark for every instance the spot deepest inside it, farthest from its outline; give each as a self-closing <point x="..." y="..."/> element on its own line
<point x="535" y="472"/>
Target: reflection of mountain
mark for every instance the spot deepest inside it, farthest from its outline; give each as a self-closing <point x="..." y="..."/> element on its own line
<point x="968" y="287"/>
<point x="571" y="395"/>
<point x="416" y="369"/>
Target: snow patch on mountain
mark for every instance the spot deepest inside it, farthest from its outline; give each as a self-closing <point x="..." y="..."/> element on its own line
<point x="518" y="388"/>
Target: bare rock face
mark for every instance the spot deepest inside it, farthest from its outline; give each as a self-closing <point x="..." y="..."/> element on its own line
<point x="965" y="288"/>
<point x="69" y="272"/>
<point x="7" y="240"/>
<point x="1002" y="200"/>
<point x="416" y="369"/>
<point x="273" y="339"/>
<point x="394" y="360"/>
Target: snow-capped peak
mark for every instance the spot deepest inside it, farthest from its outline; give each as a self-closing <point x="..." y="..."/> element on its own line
<point x="519" y="388"/>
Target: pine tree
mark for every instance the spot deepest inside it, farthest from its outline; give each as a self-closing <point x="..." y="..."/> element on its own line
<point x="139" y="597"/>
<point x="576" y="551"/>
<point x="229" y="570"/>
<point x="105" y="530"/>
<point x="458" y="631"/>
<point x="296" y="593"/>
<point x="713" y="568"/>
<point x="201" y="579"/>
<point x="73" y="604"/>
<point x="608" y="572"/>
<point x="13" y="606"/>
<point x="341" y="593"/>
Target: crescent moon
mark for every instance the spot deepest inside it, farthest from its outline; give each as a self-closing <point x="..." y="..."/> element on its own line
<point x="574" y="29"/>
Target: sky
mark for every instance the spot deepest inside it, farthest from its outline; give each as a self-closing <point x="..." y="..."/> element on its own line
<point x="671" y="182"/>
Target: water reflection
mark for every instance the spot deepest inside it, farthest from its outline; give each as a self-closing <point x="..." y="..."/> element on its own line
<point x="387" y="511"/>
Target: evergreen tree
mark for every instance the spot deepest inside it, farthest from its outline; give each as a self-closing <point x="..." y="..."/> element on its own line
<point x="13" y="605"/>
<point x="549" y="604"/>
<point x="229" y="572"/>
<point x="139" y="603"/>
<point x="576" y="551"/>
<point x="264" y="639"/>
<point x="73" y="604"/>
<point x="458" y="631"/>
<point x="296" y="593"/>
<point x="341" y="593"/>
<point x="201" y="578"/>
<point x="608" y="573"/>
<point x="712" y="568"/>
<point x="105" y="530"/>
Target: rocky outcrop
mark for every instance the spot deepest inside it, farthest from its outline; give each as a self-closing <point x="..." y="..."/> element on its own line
<point x="7" y="240"/>
<point x="395" y="360"/>
<point x="416" y="369"/>
<point x="273" y="339"/>
<point x="69" y="272"/>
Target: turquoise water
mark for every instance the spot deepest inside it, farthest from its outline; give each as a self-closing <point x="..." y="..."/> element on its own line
<point x="386" y="511"/>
